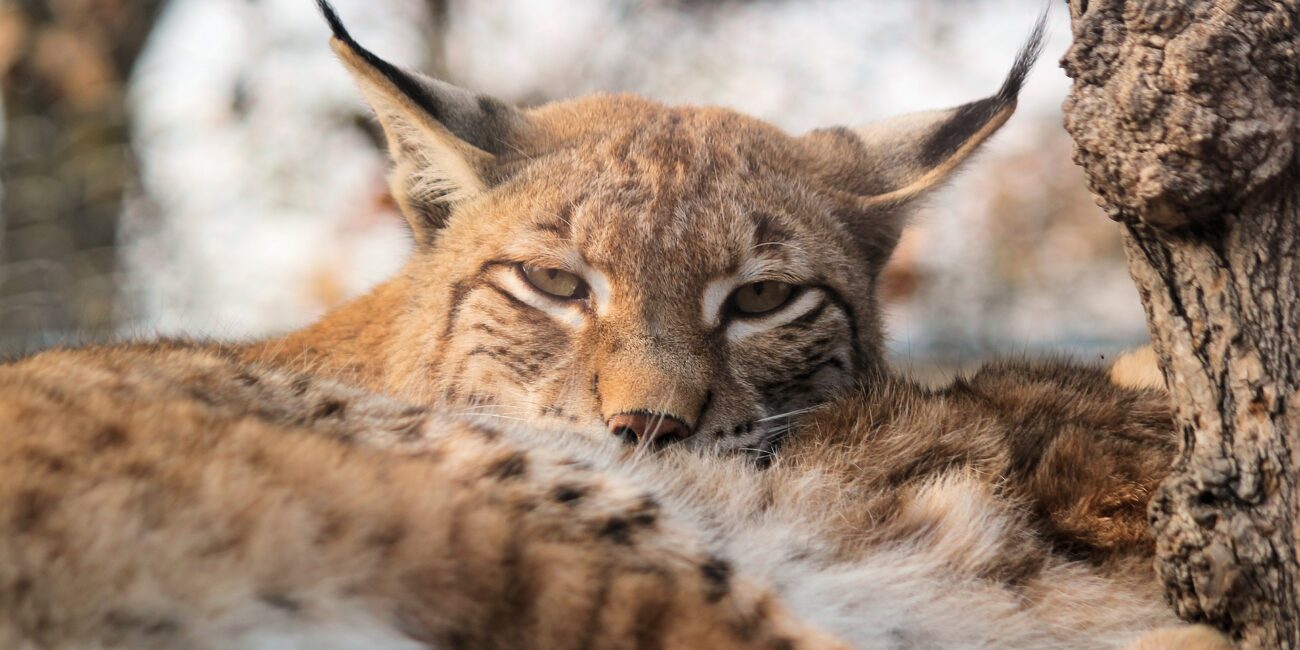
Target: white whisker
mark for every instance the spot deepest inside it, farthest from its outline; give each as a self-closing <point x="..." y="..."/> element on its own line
<point x="491" y="415"/>
<point x="787" y="414"/>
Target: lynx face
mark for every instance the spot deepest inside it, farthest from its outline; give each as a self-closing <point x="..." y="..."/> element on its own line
<point x="663" y="273"/>
<point x="666" y="265"/>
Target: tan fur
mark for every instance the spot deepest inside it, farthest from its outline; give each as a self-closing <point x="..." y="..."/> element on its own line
<point x="429" y="465"/>
<point x="173" y="496"/>
<point x="1195" y="637"/>
<point x="169" y="498"/>
<point x="664" y="211"/>
<point x="1138" y="369"/>
<point x="644" y="181"/>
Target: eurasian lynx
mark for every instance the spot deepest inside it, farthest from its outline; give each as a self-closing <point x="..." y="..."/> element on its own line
<point x="621" y="275"/>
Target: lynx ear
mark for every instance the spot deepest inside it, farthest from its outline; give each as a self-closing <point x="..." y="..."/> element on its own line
<point x="444" y="141"/>
<point x="891" y="163"/>
<point x="913" y="154"/>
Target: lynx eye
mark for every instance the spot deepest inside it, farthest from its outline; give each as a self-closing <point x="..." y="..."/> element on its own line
<point x="761" y="297"/>
<point x="554" y="282"/>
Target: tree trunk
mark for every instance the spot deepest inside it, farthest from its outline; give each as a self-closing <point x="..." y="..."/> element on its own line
<point x="66" y="160"/>
<point x="1185" y="117"/>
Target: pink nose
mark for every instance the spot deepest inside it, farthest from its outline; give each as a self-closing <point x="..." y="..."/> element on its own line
<point x="657" y="428"/>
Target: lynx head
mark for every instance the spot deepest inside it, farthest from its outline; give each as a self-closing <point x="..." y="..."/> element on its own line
<point x="664" y="272"/>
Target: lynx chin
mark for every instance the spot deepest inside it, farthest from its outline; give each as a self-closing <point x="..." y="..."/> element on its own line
<point x="628" y="392"/>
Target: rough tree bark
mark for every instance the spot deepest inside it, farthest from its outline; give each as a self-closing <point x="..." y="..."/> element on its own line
<point x="1185" y="117"/>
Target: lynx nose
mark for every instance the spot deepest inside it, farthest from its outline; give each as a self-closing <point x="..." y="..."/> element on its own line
<point x="657" y="428"/>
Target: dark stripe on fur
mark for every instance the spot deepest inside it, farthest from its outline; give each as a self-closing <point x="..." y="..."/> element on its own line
<point x="807" y="318"/>
<point x="501" y="355"/>
<point x="767" y="230"/>
<point x="459" y="292"/>
<point x="855" y="343"/>
<point x="594" y="627"/>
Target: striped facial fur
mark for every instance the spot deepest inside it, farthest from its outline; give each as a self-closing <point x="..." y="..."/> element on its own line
<point x="645" y="272"/>
<point x="658" y="273"/>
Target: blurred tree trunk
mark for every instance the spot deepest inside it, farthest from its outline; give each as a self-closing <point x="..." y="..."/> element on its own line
<point x="439" y="16"/>
<point x="66" y="160"/>
<point x="1186" y="117"/>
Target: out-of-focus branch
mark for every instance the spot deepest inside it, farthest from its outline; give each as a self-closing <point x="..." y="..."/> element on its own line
<point x="66" y="161"/>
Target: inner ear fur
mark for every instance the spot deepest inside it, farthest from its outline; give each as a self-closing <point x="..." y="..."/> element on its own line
<point x="444" y="141"/>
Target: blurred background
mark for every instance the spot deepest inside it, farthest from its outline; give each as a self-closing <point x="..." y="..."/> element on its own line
<point x="205" y="167"/>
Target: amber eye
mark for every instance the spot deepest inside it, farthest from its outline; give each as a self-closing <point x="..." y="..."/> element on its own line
<point x="761" y="297"/>
<point x="554" y="282"/>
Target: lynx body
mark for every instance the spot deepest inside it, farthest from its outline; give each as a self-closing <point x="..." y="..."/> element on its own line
<point x="478" y="454"/>
<point x="168" y="496"/>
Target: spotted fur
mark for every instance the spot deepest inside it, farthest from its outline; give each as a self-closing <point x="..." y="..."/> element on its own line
<point x="163" y="497"/>
<point x="175" y="496"/>
<point x="429" y="466"/>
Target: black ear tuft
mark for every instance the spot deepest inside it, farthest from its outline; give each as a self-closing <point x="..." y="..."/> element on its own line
<point x="336" y="25"/>
<point x="969" y="118"/>
<point x="1025" y="59"/>
<point x="406" y="83"/>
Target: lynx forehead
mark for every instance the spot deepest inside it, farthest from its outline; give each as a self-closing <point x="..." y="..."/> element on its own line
<point x="657" y="272"/>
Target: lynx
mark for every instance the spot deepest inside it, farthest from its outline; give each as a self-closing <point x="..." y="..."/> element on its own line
<point x="679" y="305"/>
